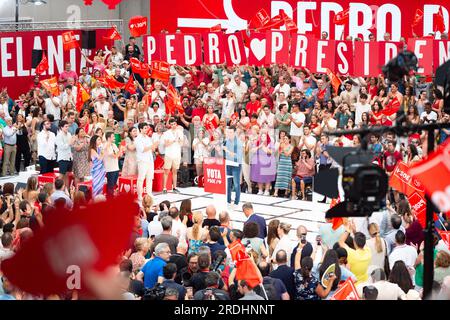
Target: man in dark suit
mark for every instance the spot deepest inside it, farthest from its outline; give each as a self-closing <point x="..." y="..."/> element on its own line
<point x="284" y="272"/>
<point x="253" y="217"/>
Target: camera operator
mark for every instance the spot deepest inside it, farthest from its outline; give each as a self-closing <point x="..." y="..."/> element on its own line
<point x="212" y="291"/>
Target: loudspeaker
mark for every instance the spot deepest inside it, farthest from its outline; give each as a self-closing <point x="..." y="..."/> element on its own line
<point x="88" y="39"/>
<point x="36" y="57"/>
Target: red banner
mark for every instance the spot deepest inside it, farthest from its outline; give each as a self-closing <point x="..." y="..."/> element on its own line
<point x="257" y="49"/>
<point x="423" y="48"/>
<point x="213" y="44"/>
<point x="366" y="64"/>
<point x="215" y="175"/>
<point x="311" y="17"/>
<point x="277" y="47"/>
<point x="69" y="41"/>
<point x="15" y="56"/>
<point x="344" y="58"/>
<point x="402" y="181"/>
<point x="441" y="53"/>
<point x="235" y="53"/>
<point x="434" y="174"/>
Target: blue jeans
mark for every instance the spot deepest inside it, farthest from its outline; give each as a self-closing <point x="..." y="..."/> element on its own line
<point x="112" y="178"/>
<point x="235" y="172"/>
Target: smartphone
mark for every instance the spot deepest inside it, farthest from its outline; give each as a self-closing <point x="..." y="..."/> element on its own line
<point x="190" y="292"/>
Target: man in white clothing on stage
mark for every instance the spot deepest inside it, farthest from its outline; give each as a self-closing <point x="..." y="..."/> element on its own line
<point x="144" y="155"/>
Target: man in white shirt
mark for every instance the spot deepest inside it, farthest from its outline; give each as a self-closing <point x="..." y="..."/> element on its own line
<point x="428" y="116"/>
<point x="297" y="120"/>
<point x="282" y="86"/>
<point x="111" y="161"/>
<point x="4" y="105"/>
<point x="403" y="252"/>
<point x="361" y="107"/>
<point x="144" y="156"/>
<point x="307" y="141"/>
<point x="386" y="290"/>
<point x="173" y="140"/>
<point x="240" y="89"/>
<point x="328" y="122"/>
<point x="64" y="142"/>
<point x="98" y="91"/>
<point x="116" y="57"/>
<point x="179" y="229"/>
<point x="53" y="106"/>
<point x="102" y="106"/>
<point x="46" y="148"/>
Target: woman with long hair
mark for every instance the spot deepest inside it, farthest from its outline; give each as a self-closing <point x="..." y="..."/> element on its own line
<point x="329" y="258"/>
<point x="200" y="147"/>
<point x="412" y="154"/>
<point x="412" y="116"/>
<point x="263" y="164"/>
<point x="244" y="120"/>
<point x="130" y="162"/>
<point x="210" y="117"/>
<point x="409" y="99"/>
<point x="23" y="143"/>
<point x="93" y="124"/>
<point x="272" y="235"/>
<point x="36" y="121"/>
<point x="284" y="169"/>
<point x="305" y="282"/>
<point x="400" y="275"/>
<point x="98" y="168"/>
<point x="31" y="191"/>
<point x="186" y="211"/>
<point x="376" y="114"/>
<point x="438" y="103"/>
<point x="80" y="154"/>
<point x="377" y="246"/>
<point x="196" y="234"/>
<point x="315" y="126"/>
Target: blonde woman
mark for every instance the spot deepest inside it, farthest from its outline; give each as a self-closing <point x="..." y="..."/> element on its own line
<point x="141" y="245"/>
<point x="377" y="246"/>
<point x="196" y="234"/>
<point x="285" y="242"/>
<point x="272" y="235"/>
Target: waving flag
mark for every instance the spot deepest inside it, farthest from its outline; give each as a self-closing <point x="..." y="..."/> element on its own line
<point x="82" y="97"/>
<point x="335" y="81"/>
<point x="173" y="101"/>
<point x="131" y="86"/>
<point x="445" y="235"/>
<point x="140" y="68"/>
<point x="69" y="41"/>
<point x="113" y="34"/>
<point x="246" y="269"/>
<point x="51" y="85"/>
<point x="347" y="291"/>
<point x="337" y="222"/>
<point x="111" y="83"/>
<point x="43" y="65"/>
<point x="342" y="18"/>
<point x="438" y="23"/>
<point x="160" y="70"/>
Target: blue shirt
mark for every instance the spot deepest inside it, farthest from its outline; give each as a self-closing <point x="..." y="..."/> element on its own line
<point x="144" y="226"/>
<point x="236" y="147"/>
<point x="261" y="222"/>
<point x="152" y="270"/>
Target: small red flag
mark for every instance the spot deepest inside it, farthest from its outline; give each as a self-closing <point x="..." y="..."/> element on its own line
<point x="342" y="18"/>
<point x="130" y="86"/>
<point x="173" y="101"/>
<point x="138" y="26"/>
<point x="346" y="291"/>
<point x="260" y="20"/>
<point x="335" y="81"/>
<point x="43" y="65"/>
<point x="113" y="34"/>
<point x="246" y="269"/>
<point x="438" y="23"/>
<point x="337" y="222"/>
<point x="111" y="83"/>
<point x="140" y="68"/>
<point x="82" y="97"/>
<point x="160" y="70"/>
<point x="445" y="235"/>
<point x="69" y="41"/>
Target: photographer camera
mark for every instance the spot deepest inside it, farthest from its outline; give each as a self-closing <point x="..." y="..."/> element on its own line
<point x="212" y="291"/>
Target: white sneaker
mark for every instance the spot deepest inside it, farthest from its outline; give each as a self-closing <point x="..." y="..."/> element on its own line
<point x="260" y="193"/>
<point x="267" y="193"/>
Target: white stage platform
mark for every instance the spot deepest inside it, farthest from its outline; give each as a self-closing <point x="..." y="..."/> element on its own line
<point x="295" y="212"/>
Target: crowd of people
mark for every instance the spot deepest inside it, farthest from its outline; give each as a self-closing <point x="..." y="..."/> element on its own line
<point x="270" y="124"/>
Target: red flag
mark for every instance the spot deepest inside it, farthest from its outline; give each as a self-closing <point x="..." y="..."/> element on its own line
<point x="337" y="222"/>
<point x="82" y="97"/>
<point x="216" y="28"/>
<point x="81" y="239"/>
<point x="445" y="235"/>
<point x="342" y="17"/>
<point x="260" y="20"/>
<point x="290" y="25"/>
<point x="140" y="68"/>
<point x="402" y="181"/>
<point x="138" y="26"/>
<point x="438" y="23"/>
<point x="392" y="107"/>
<point x="246" y="269"/>
<point x="113" y="34"/>
<point x="418" y="18"/>
<point x="69" y="41"/>
<point x="130" y="86"/>
<point x="234" y="248"/>
<point x="51" y="85"/>
<point x="346" y="291"/>
<point x="43" y="65"/>
<point x="434" y="174"/>
<point x="111" y="83"/>
<point x="335" y="81"/>
<point x="160" y="70"/>
<point x="173" y="101"/>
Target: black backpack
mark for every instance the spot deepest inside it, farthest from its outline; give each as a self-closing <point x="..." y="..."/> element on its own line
<point x="267" y="290"/>
<point x="156" y="293"/>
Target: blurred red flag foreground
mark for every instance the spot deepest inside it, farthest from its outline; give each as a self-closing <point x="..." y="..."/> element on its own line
<point x="73" y="245"/>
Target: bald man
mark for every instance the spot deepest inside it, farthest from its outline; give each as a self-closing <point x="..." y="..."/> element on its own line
<point x="211" y="217"/>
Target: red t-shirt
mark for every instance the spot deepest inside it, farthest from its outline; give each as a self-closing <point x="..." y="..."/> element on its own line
<point x="198" y="112"/>
<point x="252" y="107"/>
<point x="391" y="160"/>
